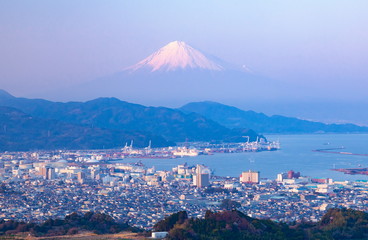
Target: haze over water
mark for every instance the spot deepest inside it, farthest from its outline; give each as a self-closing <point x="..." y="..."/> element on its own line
<point x="295" y="154"/>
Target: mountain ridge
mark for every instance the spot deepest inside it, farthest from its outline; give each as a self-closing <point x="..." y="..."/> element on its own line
<point x="233" y="117"/>
<point x="22" y="132"/>
<point x="114" y="114"/>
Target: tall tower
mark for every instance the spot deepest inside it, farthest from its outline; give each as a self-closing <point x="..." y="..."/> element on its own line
<point x="81" y="177"/>
<point x="48" y="173"/>
<point x="202" y="177"/>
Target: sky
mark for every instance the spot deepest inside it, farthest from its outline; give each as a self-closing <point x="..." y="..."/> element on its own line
<point x="46" y="45"/>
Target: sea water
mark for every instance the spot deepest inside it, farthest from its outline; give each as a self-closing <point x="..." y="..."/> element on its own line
<point x="295" y="154"/>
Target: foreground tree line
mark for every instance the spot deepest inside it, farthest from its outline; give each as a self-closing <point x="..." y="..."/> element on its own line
<point x="335" y="224"/>
<point x="99" y="223"/>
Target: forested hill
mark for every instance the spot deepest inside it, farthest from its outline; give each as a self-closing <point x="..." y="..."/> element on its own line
<point x="22" y="132"/>
<point x="111" y="113"/>
<point x="335" y="224"/>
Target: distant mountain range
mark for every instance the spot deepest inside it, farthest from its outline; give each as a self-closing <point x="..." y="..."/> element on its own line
<point x="233" y="117"/>
<point x="109" y="122"/>
<point x="178" y="73"/>
<point x="114" y="122"/>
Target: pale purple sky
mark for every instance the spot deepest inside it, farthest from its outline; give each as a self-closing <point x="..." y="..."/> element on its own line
<point x="45" y="45"/>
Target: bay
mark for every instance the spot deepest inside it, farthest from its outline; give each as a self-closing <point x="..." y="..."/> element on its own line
<point x="295" y="154"/>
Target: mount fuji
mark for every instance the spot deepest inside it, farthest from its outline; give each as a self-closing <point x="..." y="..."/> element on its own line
<point x="175" y="74"/>
<point x="177" y="55"/>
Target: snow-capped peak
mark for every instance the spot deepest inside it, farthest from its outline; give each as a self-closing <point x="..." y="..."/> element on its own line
<point x="177" y="55"/>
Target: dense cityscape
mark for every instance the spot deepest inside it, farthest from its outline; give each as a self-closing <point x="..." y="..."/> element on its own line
<point x="40" y="185"/>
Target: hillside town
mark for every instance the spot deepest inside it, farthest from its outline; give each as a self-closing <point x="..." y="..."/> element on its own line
<point x="36" y="186"/>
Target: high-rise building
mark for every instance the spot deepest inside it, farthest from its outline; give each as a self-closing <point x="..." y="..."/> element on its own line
<point x="43" y="172"/>
<point x="48" y="172"/>
<point x="51" y="173"/>
<point x="81" y="177"/>
<point x="202" y="176"/>
<point x="292" y="174"/>
<point x="94" y="173"/>
<point x="249" y="177"/>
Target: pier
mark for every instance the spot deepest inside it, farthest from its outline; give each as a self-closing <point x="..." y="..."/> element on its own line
<point x="330" y="150"/>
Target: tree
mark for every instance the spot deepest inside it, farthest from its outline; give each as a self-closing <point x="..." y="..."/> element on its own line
<point x="229" y="204"/>
<point x="168" y="223"/>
